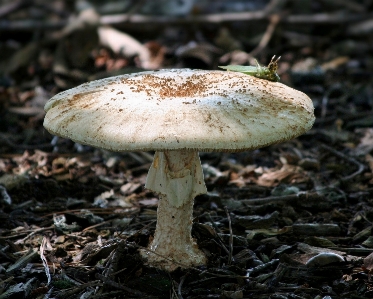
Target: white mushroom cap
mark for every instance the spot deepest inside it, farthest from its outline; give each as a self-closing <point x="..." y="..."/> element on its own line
<point x="180" y="109"/>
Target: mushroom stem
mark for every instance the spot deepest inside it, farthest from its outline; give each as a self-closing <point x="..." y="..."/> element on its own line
<point x="177" y="177"/>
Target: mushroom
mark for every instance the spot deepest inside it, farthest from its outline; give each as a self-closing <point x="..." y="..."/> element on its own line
<point x="177" y="113"/>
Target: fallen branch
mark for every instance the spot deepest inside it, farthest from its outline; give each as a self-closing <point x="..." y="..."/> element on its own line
<point x="284" y="199"/>
<point x="155" y="21"/>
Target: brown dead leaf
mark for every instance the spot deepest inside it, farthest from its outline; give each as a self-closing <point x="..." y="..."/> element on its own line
<point x="287" y="174"/>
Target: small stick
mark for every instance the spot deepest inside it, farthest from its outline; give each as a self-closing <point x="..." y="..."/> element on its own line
<point x="360" y="166"/>
<point x="71" y="291"/>
<point x="230" y="237"/>
<point x="282" y="199"/>
<point x="31" y="234"/>
<point x="274" y="20"/>
<point x="262" y="267"/>
<point x="213" y="223"/>
<point x="182" y="279"/>
<point x="217" y="231"/>
<point x="141" y="229"/>
<point x="174" y="292"/>
<point x="96" y="225"/>
<point x="221" y="244"/>
<point x="43" y="245"/>
<point x="119" y="286"/>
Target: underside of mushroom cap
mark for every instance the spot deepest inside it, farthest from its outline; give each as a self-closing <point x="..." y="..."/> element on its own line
<point x="180" y="109"/>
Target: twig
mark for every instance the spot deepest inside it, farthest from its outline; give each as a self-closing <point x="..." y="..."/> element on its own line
<point x="129" y="19"/>
<point x="43" y="245"/>
<point x="285" y="199"/>
<point x="111" y="294"/>
<point x="361" y="28"/>
<point x="262" y="267"/>
<point x="96" y="225"/>
<point x="319" y="18"/>
<point x="113" y="261"/>
<point x="354" y="251"/>
<point x="182" y="279"/>
<point x="220" y="243"/>
<point x="140" y="230"/>
<point x="119" y="286"/>
<point x="217" y="229"/>
<point x="26" y="232"/>
<point x="101" y="211"/>
<point x="3" y="282"/>
<point x="326" y="18"/>
<point x="173" y="289"/>
<point x="210" y="18"/>
<point x="71" y="291"/>
<point x="360" y="166"/>
<point x="325" y="99"/>
<point x="274" y="20"/>
<point x="230" y="256"/>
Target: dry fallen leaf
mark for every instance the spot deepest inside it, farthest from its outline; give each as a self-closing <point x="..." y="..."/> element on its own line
<point x="122" y="43"/>
<point x="287" y="174"/>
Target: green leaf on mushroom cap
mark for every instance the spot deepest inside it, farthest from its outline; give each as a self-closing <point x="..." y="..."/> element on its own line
<point x="268" y="73"/>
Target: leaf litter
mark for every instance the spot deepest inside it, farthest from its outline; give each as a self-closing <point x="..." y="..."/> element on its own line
<point x="292" y="220"/>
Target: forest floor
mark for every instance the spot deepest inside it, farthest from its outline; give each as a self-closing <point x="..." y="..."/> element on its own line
<point x="288" y="221"/>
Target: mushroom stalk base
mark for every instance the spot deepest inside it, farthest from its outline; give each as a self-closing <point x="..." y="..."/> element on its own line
<point x="177" y="177"/>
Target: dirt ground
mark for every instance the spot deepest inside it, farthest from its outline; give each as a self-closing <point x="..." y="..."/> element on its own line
<point x="287" y="221"/>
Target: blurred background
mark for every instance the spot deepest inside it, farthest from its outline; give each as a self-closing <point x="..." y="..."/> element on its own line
<point x="325" y="46"/>
<point x="286" y="202"/>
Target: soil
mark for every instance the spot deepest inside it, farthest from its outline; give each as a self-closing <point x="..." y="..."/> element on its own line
<point x="288" y="221"/>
